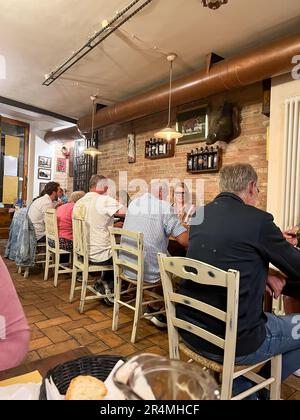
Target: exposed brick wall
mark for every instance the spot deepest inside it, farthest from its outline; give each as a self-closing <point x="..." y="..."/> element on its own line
<point x="250" y="147"/>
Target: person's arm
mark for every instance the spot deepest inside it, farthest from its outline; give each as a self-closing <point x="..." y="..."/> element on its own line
<point x="183" y="239"/>
<point x="174" y="228"/>
<point x="14" y="330"/>
<point x="278" y="251"/>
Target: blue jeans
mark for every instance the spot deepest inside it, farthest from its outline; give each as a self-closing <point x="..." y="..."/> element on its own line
<point x="283" y="337"/>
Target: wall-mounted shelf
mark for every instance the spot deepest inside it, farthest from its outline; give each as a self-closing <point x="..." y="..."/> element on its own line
<point x="159" y="149"/>
<point x="204" y="161"/>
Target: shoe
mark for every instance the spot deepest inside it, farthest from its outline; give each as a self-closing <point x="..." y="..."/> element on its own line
<point x="160" y="320"/>
<point x="103" y="288"/>
<point x="297" y="373"/>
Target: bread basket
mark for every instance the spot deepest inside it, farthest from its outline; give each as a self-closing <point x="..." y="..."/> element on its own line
<point x="97" y="366"/>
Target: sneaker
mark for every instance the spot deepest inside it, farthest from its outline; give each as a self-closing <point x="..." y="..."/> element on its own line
<point x="103" y="288"/>
<point x="160" y="320"/>
<point x="297" y="373"/>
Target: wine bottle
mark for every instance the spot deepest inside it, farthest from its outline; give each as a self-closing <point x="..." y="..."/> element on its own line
<point x="195" y="164"/>
<point x="189" y="162"/>
<point x="216" y="157"/>
<point x="200" y="160"/>
<point x="205" y="158"/>
<point x="210" y="158"/>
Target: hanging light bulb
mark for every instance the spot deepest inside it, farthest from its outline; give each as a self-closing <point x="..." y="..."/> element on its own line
<point x="169" y="133"/>
<point x="92" y="151"/>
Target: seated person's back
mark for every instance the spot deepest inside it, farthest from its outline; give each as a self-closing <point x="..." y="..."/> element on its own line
<point x="39" y="207"/>
<point x="155" y="218"/>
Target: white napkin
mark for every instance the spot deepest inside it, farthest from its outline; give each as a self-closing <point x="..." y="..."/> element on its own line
<point x="24" y="392"/>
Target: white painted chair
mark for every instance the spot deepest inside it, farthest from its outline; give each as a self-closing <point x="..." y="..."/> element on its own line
<point x="207" y="275"/>
<point x="138" y="286"/>
<point x="39" y="259"/>
<point x="53" y="252"/>
<point x="81" y="262"/>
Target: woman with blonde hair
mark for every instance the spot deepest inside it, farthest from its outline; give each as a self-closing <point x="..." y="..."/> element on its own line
<point x="182" y="203"/>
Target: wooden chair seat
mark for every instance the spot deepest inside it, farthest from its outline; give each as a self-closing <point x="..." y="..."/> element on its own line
<point x="211" y="364"/>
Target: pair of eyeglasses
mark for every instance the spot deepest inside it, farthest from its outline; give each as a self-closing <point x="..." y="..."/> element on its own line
<point x="180" y="193"/>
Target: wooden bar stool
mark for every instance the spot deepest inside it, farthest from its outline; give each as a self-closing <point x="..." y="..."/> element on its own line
<point x="210" y="276"/>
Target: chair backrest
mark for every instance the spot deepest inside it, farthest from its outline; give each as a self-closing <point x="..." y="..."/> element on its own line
<point x="51" y="228"/>
<point x="202" y="274"/>
<point x="80" y="248"/>
<point x="129" y="256"/>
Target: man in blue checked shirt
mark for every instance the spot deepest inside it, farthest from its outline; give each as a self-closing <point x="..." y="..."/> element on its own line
<point x="153" y="216"/>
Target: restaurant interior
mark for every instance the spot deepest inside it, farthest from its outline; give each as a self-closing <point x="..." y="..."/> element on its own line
<point x="150" y="200"/>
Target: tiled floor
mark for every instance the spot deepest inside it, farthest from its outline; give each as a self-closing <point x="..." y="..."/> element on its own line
<point x="56" y="325"/>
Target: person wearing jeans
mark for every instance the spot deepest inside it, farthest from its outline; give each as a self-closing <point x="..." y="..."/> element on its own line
<point x="236" y="235"/>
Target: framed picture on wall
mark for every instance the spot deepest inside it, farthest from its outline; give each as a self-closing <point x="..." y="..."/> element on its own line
<point x="42" y="187"/>
<point x="193" y="124"/>
<point x="44" y="174"/>
<point x="131" y="148"/>
<point x="45" y="162"/>
<point x="61" y="165"/>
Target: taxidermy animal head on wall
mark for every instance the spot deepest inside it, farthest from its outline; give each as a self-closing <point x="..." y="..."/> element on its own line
<point x="225" y="124"/>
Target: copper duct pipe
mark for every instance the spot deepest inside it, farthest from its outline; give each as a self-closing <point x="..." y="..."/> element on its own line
<point x="248" y="68"/>
<point x="65" y="134"/>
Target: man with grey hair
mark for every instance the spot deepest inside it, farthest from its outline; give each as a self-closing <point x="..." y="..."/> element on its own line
<point x="100" y="210"/>
<point x="152" y="215"/>
<point x="236" y="235"/>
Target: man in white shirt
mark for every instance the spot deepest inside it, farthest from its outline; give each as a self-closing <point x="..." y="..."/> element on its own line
<point x="100" y="210"/>
<point x="39" y="207"/>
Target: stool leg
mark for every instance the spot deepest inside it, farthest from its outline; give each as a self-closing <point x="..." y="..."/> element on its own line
<point x="20" y="270"/>
<point x="26" y="273"/>
<point x="85" y="276"/>
<point x="73" y="284"/>
<point x="276" y="373"/>
<point x="138" y="310"/>
<point x="56" y="269"/>
<point x="46" y="276"/>
<point x="117" y="298"/>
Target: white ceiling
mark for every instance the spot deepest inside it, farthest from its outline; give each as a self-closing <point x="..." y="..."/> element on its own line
<point x="38" y="35"/>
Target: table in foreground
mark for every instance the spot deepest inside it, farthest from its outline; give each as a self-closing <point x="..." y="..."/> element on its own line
<point x="44" y="365"/>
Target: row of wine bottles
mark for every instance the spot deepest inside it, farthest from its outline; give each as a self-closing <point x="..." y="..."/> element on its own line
<point x="157" y="147"/>
<point x="203" y="159"/>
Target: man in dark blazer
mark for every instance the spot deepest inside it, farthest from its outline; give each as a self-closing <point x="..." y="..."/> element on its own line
<point x="236" y="235"/>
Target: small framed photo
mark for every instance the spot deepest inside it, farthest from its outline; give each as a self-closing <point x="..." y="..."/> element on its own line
<point x="61" y="165"/>
<point x="44" y="174"/>
<point x="42" y="187"/>
<point x="131" y="148"/>
<point x="193" y="124"/>
<point x="45" y="162"/>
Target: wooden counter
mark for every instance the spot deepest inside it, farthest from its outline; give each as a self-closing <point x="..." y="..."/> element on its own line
<point x="5" y="221"/>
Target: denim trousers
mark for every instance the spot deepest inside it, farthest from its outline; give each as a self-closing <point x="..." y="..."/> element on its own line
<point x="283" y="337"/>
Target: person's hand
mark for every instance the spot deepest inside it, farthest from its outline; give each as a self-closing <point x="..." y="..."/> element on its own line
<point x="275" y="285"/>
<point x="291" y="235"/>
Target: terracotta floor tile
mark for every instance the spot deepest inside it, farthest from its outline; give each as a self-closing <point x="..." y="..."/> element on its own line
<point x="40" y="343"/>
<point x="97" y="347"/>
<point x="32" y="357"/>
<point x="96" y="315"/>
<point x="56" y="334"/>
<point x="58" y="348"/>
<point x="51" y="312"/>
<point x="73" y="325"/>
<point x="35" y="319"/>
<point x="31" y="310"/>
<point x="83" y="336"/>
<point x="109" y="338"/>
<point x="99" y="326"/>
<point x="53" y="322"/>
<point x="35" y="332"/>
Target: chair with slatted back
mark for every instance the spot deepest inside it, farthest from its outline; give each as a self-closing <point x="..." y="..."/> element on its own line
<point x="81" y="262"/>
<point x="53" y="252"/>
<point x="204" y="274"/>
<point x="135" y="262"/>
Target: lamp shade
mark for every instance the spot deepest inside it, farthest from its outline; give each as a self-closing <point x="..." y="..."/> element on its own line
<point x="168" y="133"/>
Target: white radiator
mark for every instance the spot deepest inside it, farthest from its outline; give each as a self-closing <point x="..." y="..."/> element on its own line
<point x="291" y="164"/>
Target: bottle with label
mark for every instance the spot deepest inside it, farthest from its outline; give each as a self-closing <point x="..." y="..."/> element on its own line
<point x="153" y="148"/>
<point x="216" y="157"/>
<point x="192" y="160"/>
<point x="147" y="149"/>
<point x="161" y="147"/>
<point x="210" y="158"/>
<point x="205" y="158"/>
<point x="189" y="162"/>
<point x="200" y="160"/>
<point x="165" y="147"/>
<point x="195" y="164"/>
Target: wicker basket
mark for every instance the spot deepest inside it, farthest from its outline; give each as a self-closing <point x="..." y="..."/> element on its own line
<point x="97" y="366"/>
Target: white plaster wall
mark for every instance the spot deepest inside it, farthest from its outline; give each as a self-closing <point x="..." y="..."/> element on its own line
<point x="283" y="87"/>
